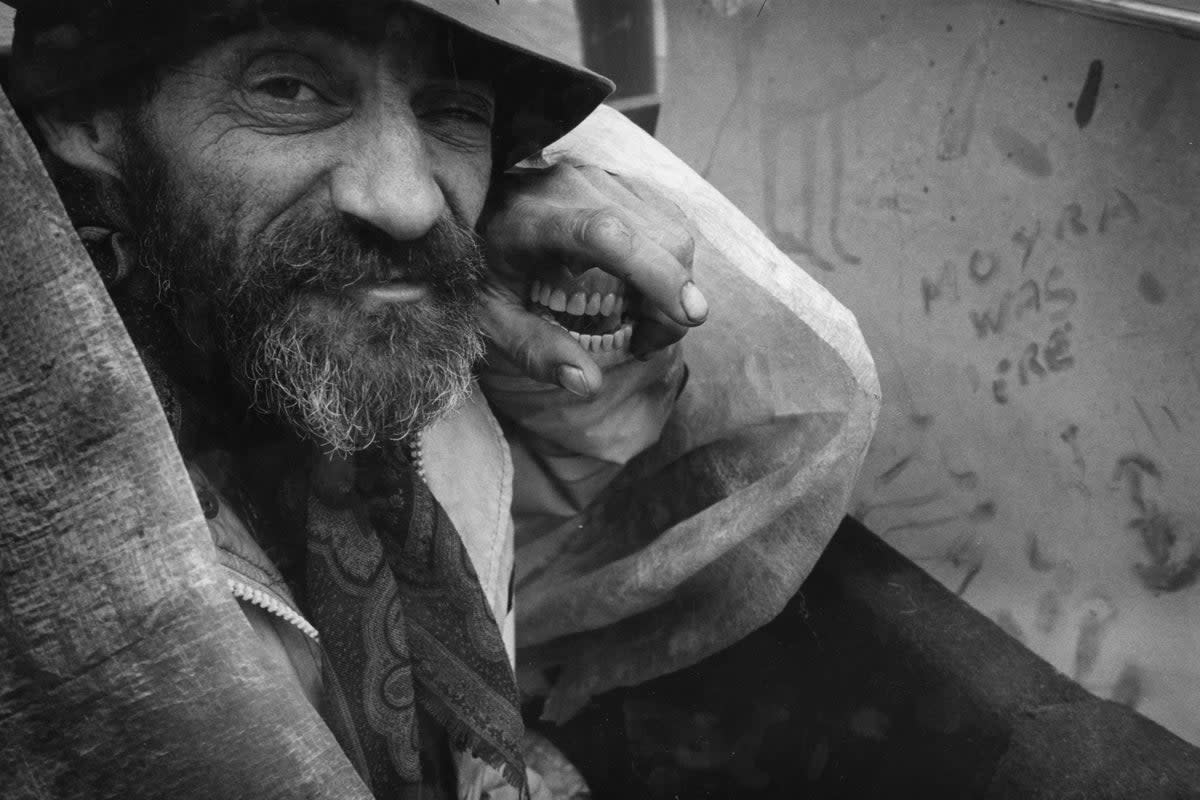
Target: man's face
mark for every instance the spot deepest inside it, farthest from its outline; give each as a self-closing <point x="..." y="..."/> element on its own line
<point x="310" y="196"/>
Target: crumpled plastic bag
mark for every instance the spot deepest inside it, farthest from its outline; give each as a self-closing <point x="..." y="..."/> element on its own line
<point x="706" y="535"/>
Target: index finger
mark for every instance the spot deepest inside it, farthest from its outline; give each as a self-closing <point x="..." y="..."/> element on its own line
<point x="662" y="219"/>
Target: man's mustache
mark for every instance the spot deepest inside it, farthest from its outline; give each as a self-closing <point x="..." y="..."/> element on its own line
<point x="336" y="254"/>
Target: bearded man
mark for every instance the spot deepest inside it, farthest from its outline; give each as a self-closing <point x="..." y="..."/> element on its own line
<point x="300" y="212"/>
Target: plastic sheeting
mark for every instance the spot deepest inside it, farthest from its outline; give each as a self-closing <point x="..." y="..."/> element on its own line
<point x="708" y="534"/>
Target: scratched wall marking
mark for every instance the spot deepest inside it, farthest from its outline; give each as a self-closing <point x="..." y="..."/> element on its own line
<point x="822" y="113"/>
<point x="1018" y="150"/>
<point x="1170" y="539"/>
<point x="958" y="120"/>
<point x="1085" y="106"/>
<point x="986" y="271"/>
<point x="819" y="123"/>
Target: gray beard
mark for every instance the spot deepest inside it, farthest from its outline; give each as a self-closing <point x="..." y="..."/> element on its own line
<point x="336" y="373"/>
<point x="329" y="374"/>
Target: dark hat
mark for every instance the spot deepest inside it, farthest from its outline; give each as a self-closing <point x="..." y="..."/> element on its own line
<point x="61" y="46"/>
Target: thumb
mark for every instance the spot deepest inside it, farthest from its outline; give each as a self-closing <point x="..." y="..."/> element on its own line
<point x="526" y="344"/>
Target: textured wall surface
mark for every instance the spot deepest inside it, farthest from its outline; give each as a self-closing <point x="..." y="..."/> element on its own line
<point x="1005" y="195"/>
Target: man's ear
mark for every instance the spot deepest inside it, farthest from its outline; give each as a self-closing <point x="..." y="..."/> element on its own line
<point x="90" y="142"/>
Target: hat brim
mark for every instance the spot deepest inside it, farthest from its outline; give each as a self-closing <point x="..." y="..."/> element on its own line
<point x="541" y="95"/>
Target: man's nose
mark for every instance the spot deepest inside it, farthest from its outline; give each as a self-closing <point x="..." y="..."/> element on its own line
<point x="387" y="180"/>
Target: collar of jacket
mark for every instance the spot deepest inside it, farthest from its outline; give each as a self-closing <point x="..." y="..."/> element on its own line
<point x="464" y="459"/>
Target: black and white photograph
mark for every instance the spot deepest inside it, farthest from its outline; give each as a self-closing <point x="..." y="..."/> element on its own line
<point x="599" y="399"/>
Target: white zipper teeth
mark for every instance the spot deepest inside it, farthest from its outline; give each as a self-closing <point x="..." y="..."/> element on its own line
<point x="272" y="606"/>
<point x="418" y="455"/>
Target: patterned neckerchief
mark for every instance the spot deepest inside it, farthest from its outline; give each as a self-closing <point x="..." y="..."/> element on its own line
<point x="406" y="629"/>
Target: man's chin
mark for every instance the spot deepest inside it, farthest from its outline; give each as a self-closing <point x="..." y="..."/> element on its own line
<point x="347" y="373"/>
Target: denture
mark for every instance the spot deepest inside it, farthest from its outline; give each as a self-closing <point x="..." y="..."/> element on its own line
<point x="593" y="306"/>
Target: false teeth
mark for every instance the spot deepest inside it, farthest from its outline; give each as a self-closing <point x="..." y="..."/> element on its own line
<point x="577" y="305"/>
<point x="594" y="313"/>
<point x="605" y="343"/>
<point x="590" y="302"/>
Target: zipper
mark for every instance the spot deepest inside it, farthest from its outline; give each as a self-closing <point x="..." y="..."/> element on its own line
<point x="417" y="455"/>
<point x="267" y="603"/>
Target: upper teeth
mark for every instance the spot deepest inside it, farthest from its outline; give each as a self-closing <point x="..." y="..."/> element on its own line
<point x="579" y="303"/>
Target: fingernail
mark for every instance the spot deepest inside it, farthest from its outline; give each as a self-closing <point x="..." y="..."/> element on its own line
<point x="574" y="381"/>
<point x="694" y="304"/>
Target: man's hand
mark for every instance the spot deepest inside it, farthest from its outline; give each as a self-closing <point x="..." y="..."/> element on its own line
<point x="583" y="217"/>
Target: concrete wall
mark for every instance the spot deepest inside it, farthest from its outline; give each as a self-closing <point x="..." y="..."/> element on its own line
<point x="1006" y="196"/>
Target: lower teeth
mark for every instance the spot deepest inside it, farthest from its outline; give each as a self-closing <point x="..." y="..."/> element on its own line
<point x="615" y="341"/>
<point x="605" y="343"/>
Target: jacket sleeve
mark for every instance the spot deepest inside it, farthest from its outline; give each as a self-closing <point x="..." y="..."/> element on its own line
<point x="675" y="521"/>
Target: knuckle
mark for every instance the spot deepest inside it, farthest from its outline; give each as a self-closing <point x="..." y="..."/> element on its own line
<point x="536" y="347"/>
<point x="682" y="245"/>
<point x="523" y="349"/>
<point x="604" y="229"/>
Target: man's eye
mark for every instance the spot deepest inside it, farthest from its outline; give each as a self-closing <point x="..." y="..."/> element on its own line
<point x="456" y="111"/>
<point x="460" y="114"/>
<point x="291" y="90"/>
<point x="468" y="114"/>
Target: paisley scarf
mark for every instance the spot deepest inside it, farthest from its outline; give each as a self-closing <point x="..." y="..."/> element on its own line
<point x="405" y="628"/>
